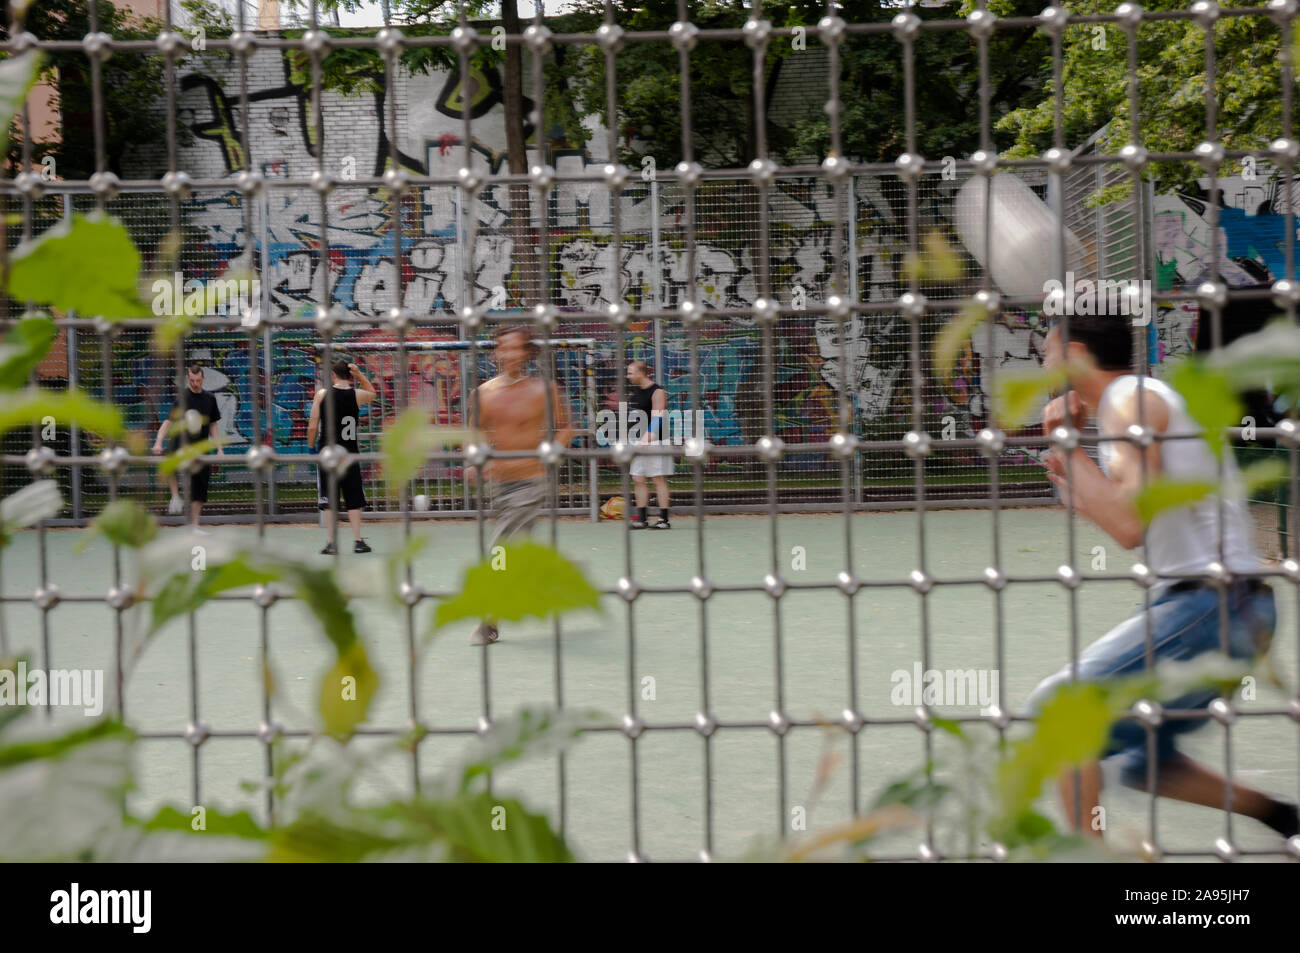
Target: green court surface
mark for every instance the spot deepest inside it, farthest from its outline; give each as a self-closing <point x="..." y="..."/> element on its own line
<point x="601" y="669"/>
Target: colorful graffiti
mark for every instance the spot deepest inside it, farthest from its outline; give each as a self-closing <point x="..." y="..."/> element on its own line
<point x="457" y="252"/>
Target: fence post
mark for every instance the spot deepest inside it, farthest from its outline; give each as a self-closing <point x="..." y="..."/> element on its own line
<point x="853" y="296"/>
<point x="268" y="351"/>
<point x="593" y="465"/>
<point x="654" y="277"/>
<point x="74" y="432"/>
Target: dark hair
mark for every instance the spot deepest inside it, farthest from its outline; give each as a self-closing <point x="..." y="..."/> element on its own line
<point x="1238" y="317"/>
<point x="523" y="329"/>
<point x="1107" y="338"/>
<point x="194" y="367"/>
<point x="341" y="368"/>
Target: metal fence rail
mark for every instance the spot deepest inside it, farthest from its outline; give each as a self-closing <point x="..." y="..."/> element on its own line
<point x="854" y="457"/>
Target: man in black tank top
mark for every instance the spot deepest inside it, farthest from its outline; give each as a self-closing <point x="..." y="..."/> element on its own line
<point x="647" y="404"/>
<point x="350" y="392"/>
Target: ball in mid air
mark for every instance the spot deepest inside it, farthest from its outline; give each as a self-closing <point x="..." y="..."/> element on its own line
<point x="420" y="503"/>
<point x="1023" y="234"/>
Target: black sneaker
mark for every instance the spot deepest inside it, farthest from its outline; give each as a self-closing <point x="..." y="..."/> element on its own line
<point x="328" y="550"/>
<point x="360" y="547"/>
<point x="662" y="524"/>
<point x="638" y="524"/>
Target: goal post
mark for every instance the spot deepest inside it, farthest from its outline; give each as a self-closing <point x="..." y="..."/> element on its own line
<point x="440" y="376"/>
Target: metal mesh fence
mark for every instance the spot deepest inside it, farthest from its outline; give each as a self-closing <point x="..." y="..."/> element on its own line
<point x="797" y="331"/>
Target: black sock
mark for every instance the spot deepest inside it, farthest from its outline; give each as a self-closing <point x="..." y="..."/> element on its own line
<point x="1283" y="818"/>
<point x="663" y="513"/>
<point x="640" y="513"/>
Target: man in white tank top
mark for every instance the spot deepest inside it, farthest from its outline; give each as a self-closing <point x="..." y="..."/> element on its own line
<point x="1184" y="547"/>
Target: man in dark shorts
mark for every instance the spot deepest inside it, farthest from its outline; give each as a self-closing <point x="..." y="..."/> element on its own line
<point x="193" y="418"/>
<point x="511" y="411"/>
<point x="350" y="392"/>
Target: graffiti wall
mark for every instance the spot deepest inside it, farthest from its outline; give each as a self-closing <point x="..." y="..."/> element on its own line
<point x="456" y="253"/>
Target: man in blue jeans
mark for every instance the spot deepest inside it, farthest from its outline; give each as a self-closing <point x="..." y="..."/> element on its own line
<point x="1181" y="545"/>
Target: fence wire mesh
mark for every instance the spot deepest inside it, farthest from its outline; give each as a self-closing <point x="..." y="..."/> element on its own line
<point x="775" y="298"/>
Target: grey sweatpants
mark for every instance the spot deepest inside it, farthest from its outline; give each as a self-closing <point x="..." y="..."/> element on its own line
<point x="516" y="505"/>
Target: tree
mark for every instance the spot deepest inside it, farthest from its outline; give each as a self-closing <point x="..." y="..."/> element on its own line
<point x="352" y="71"/>
<point x="1172" y="85"/>
<point x="871" y="83"/>
<point x="128" y="80"/>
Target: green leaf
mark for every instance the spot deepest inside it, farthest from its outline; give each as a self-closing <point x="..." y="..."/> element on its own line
<point x="953" y="337"/>
<point x="185" y="592"/>
<point x="199" y="302"/>
<point x="230" y="566"/>
<point x="406" y="444"/>
<point x="24" y="346"/>
<point x="1072" y="729"/>
<point x="1030" y="826"/>
<point x="1264" y="475"/>
<point x="124" y="522"/>
<point x="314" y="838"/>
<point x="175" y="461"/>
<point x="130" y="844"/>
<point x="56" y="746"/>
<point x="916" y="792"/>
<point x="395" y="568"/>
<point x="345" y="706"/>
<point x="486" y="828"/>
<point x="1165" y="493"/>
<point x="96" y="250"/>
<point x="1268" y="360"/>
<point x="473" y="827"/>
<point x="529" y="580"/>
<point x="215" y="822"/>
<point x="526" y="732"/>
<point x="61" y="793"/>
<point x="407" y="441"/>
<point x="33" y="503"/>
<point x="17" y="74"/>
<point x="320" y="592"/>
<point x="32" y="406"/>
<point x="1018" y="393"/>
<point x="1210" y="399"/>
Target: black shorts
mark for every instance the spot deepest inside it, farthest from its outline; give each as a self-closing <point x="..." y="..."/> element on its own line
<point x="352" y="496"/>
<point x="199" y="484"/>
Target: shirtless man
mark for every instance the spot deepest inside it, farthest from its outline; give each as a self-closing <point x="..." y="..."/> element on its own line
<point x="511" y="411"/>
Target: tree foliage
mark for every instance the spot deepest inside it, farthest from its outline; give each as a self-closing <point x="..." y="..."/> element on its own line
<point x="1172" y="88"/>
<point x="129" y="79"/>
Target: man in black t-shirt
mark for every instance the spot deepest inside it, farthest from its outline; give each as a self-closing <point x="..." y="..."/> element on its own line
<point x="194" y="417"/>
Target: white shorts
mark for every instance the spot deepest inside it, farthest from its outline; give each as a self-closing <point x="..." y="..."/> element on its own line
<point x="652" y="464"/>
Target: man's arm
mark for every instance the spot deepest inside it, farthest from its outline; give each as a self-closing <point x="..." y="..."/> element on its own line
<point x="476" y="424"/>
<point x="658" y="407"/>
<point x="313" y="422"/>
<point x="162" y="435"/>
<point x="1109" y="501"/>
<point x="214" y="433"/>
<point x="365" y="390"/>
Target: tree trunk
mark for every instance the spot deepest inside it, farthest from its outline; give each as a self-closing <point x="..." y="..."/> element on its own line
<point x="523" y="239"/>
